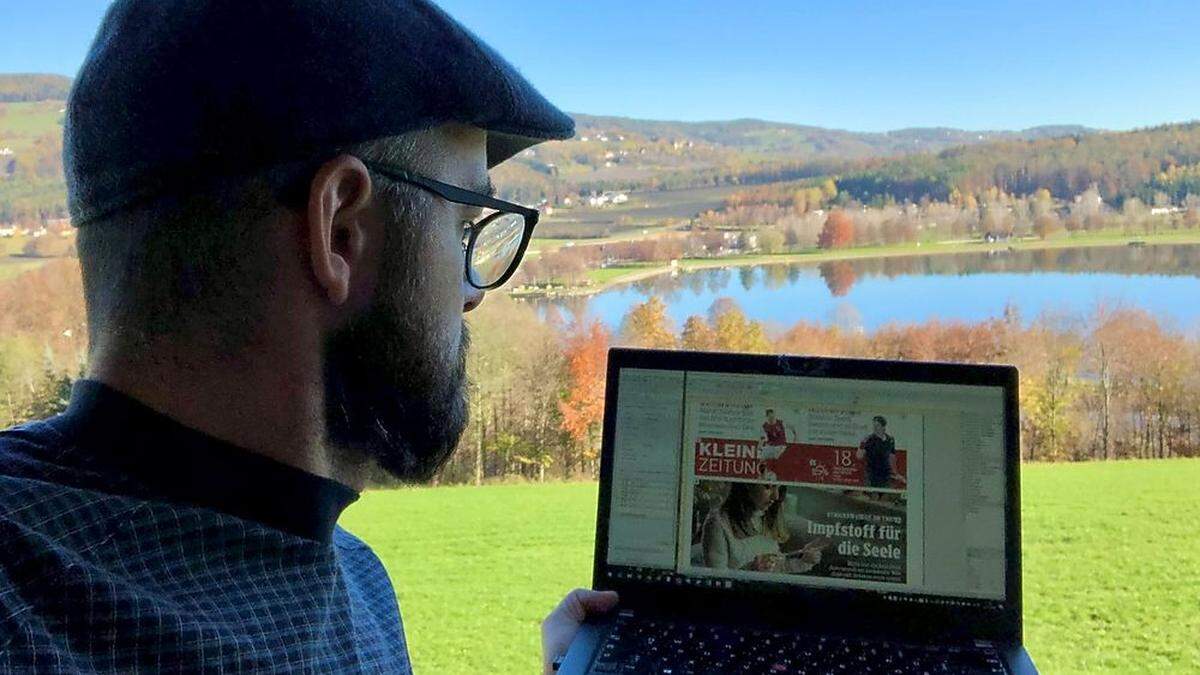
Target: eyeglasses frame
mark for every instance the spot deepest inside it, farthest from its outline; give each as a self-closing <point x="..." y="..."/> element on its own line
<point x="460" y="195"/>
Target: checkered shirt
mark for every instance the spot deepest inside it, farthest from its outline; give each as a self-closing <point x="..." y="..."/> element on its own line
<point x="98" y="576"/>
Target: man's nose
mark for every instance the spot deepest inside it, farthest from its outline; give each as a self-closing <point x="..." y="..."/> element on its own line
<point x="472" y="297"/>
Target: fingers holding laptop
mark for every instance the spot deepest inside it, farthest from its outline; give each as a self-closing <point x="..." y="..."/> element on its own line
<point x="561" y="625"/>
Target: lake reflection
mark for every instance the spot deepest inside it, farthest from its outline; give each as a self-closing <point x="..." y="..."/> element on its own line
<point x="912" y="289"/>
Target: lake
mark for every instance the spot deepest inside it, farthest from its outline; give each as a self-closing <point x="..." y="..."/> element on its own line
<point x="867" y="294"/>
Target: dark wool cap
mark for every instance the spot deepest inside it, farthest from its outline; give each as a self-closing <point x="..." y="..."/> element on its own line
<point x="176" y="91"/>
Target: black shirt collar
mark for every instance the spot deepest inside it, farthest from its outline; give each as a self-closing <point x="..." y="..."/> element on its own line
<point x="175" y="463"/>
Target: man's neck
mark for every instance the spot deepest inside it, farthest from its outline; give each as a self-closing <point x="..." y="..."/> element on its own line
<point x="270" y="406"/>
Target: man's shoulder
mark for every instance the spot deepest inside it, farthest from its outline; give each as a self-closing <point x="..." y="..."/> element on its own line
<point x="349" y="544"/>
<point x="367" y="580"/>
<point x="30" y="472"/>
<point x="44" y="482"/>
<point x="29" y="449"/>
<point x="356" y="555"/>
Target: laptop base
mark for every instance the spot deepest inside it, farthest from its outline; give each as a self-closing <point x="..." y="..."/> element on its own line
<point x="626" y="643"/>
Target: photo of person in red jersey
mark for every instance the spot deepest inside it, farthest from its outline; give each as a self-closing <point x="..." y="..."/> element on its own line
<point x="773" y="430"/>
<point x="772" y="443"/>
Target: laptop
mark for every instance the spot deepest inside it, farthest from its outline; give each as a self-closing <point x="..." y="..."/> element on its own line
<point x="784" y="514"/>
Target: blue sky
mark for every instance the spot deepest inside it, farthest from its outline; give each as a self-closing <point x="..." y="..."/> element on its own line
<point x="866" y="66"/>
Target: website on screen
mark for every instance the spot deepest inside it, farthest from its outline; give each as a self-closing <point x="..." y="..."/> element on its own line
<point x="838" y="483"/>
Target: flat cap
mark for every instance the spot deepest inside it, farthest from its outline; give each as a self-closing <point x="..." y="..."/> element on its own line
<point x="173" y="91"/>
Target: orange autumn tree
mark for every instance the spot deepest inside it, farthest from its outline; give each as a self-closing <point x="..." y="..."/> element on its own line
<point x="838" y="231"/>
<point x="586" y="357"/>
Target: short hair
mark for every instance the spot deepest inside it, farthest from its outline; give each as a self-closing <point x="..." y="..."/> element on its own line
<point x="196" y="265"/>
<point x="881" y="419"/>
<point x="770" y="411"/>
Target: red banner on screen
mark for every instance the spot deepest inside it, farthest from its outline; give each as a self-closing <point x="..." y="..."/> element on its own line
<point x="793" y="463"/>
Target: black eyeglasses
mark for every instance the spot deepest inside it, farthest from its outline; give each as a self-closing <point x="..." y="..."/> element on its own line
<point x="494" y="244"/>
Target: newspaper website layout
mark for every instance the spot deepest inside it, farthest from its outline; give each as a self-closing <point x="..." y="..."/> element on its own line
<point x="889" y="486"/>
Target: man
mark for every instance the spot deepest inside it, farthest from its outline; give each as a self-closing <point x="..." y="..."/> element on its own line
<point x="772" y="444"/>
<point x="283" y="210"/>
<point x="879" y="450"/>
<point x="773" y="431"/>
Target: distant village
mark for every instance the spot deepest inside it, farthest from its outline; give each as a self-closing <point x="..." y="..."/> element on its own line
<point x="51" y="227"/>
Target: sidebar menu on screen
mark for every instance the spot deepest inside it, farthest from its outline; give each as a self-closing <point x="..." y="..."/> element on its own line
<point x="645" y="486"/>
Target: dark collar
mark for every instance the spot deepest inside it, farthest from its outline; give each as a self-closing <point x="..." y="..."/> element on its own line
<point x="175" y="463"/>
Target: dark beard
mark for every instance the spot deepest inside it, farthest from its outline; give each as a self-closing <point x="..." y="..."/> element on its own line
<point x="392" y="397"/>
<point x="393" y="391"/>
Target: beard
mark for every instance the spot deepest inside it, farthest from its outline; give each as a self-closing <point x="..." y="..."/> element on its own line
<point x="393" y="391"/>
<point x="395" y="398"/>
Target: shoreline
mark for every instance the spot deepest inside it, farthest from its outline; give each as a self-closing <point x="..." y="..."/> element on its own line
<point x="817" y="256"/>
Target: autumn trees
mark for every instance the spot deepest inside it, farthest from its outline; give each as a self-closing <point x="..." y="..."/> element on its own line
<point x="42" y="335"/>
<point x="838" y="231"/>
<point x="1115" y="384"/>
<point x="582" y="406"/>
<point x="647" y="325"/>
<point x="1121" y="165"/>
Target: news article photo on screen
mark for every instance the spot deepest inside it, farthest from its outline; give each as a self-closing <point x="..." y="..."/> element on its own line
<point x="737" y="478"/>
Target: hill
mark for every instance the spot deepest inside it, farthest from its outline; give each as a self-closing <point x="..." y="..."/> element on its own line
<point x="795" y="141"/>
<point x="621" y="153"/>
<point x="1156" y="164"/>
<point x="631" y="154"/>
<point x="33" y="87"/>
<point x="606" y="152"/>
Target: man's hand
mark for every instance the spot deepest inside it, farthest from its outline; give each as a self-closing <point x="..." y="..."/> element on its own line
<point x="560" y="626"/>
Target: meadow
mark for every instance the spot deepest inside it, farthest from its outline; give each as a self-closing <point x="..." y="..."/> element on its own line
<point x="1111" y="565"/>
<point x="24" y="120"/>
<point x="645" y="210"/>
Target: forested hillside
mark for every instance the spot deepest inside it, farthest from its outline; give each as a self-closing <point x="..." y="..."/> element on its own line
<point x="32" y="87"/>
<point x="1141" y="163"/>
<point x="616" y="153"/>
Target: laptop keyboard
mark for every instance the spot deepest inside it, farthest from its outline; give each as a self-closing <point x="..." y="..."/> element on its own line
<point x="638" y="645"/>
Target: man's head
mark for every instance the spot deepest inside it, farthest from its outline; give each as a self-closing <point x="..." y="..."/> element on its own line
<point x="879" y="424"/>
<point x="770" y="415"/>
<point x="371" y="268"/>
<point x="216" y="222"/>
<point x="395" y="370"/>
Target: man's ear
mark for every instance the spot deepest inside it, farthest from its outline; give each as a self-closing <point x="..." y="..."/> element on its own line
<point x="337" y="224"/>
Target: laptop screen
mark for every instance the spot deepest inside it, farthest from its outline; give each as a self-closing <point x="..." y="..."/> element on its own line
<point x="725" y="480"/>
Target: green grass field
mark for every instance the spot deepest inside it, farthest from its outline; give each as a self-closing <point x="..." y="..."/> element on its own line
<point x="1111" y="562"/>
<point x="21" y="122"/>
<point x="12" y="264"/>
<point x="604" y="275"/>
<point x="30" y="118"/>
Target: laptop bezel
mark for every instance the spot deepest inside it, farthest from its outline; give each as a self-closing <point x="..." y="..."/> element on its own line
<point x="836" y="611"/>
